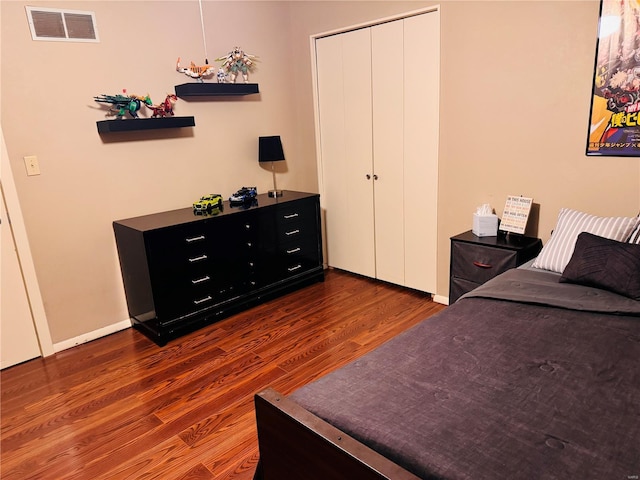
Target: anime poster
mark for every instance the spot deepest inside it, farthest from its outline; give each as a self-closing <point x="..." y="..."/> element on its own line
<point x="614" y="128"/>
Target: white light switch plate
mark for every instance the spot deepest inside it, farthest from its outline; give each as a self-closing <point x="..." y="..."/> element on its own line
<point x="31" y="162"/>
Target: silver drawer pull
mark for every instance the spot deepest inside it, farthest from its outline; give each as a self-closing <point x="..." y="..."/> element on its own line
<point x="294" y="250"/>
<point x="293" y="269"/>
<point x="292" y="232"/>
<point x="202" y="300"/>
<point x="200" y="280"/>
<point x="198" y="259"/>
<point x="195" y="239"/>
<point x="293" y="215"/>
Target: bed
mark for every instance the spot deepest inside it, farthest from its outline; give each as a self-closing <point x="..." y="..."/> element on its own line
<point x="533" y="375"/>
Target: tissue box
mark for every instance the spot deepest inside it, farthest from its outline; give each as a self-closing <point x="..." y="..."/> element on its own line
<point x="485" y="225"/>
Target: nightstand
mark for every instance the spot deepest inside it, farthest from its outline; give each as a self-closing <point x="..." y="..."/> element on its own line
<point x="474" y="260"/>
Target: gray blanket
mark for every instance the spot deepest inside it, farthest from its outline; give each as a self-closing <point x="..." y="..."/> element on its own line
<point x="494" y="389"/>
<point x="542" y="288"/>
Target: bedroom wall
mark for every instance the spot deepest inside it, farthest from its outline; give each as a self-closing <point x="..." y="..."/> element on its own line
<point x="516" y="82"/>
<point x="88" y="180"/>
<point x="515" y="95"/>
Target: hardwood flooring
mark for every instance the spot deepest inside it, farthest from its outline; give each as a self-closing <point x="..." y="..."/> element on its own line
<point x="123" y="408"/>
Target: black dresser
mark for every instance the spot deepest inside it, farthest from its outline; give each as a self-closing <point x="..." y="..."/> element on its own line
<point x="474" y="260"/>
<point x="182" y="271"/>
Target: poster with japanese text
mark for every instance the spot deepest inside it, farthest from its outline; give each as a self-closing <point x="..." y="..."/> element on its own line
<point x="614" y="128"/>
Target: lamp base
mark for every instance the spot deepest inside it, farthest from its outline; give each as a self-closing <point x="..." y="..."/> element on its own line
<point x="275" y="193"/>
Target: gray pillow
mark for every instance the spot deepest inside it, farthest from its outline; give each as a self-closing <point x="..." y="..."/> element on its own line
<point x="603" y="263"/>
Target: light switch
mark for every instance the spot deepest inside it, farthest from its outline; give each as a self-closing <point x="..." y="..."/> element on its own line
<point x="31" y="162"/>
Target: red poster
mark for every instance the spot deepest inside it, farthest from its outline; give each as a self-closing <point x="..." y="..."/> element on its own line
<point x="614" y="128"/>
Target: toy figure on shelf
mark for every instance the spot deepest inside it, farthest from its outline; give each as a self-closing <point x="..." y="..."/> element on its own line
<point x="222" y="76"/>
<point x="123" y="103"/>
<point x="165" y="108"/>
<point x="236" y="61"/>
<point x="195" y="71"/>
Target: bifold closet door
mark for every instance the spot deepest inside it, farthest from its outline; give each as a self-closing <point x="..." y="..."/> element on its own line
<point x="388" y="97"/>
<point x="378" y="97"/>
<point x="344" y="109"/>
<point x="421" y="138"/>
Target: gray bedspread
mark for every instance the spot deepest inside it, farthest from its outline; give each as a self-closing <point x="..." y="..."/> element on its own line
<point x="494" y="388"/>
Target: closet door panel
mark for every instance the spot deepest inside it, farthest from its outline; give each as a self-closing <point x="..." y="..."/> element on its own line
<point x="388" y="149"/>
<point x="421" y="135"/>
<point x="344" y="105"/>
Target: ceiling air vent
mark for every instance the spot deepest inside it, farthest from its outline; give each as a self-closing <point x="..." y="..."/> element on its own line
<point x="58" y="25"/>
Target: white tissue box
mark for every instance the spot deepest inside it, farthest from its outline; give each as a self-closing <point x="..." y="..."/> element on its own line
<point x="485" y="225"/>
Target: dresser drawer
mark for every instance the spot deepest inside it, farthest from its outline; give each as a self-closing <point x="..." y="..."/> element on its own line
<point x="293" y="214"/>
<point x="459" y="286"/>
<point x="297" y="258"/>
<point x="479" y="263"/>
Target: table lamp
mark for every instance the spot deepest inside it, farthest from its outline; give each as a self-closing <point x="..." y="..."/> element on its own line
<point x="270" y="150"/>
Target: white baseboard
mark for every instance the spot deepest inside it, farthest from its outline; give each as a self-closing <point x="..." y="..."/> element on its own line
<point x="441" y="299"/>
<point x="87" y="337"/>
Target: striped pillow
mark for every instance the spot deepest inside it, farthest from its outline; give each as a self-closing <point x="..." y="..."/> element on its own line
<point x="635" y="235"/>
<point x="557" y="252"/>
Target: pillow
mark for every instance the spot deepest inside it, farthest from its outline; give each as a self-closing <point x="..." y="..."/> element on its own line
<point x="555" y="254"/>
<point x="635" y="235"/>
<point x="607" y="264"/>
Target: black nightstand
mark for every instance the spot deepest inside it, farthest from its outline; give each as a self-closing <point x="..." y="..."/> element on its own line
<point x="474" y="260"/>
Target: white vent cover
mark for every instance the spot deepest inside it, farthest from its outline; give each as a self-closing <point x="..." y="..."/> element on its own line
<point x="58" y="25"/>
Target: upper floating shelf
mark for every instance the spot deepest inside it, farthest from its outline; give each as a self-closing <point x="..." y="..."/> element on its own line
<point x="129" y="124"/>
<point x="202" y="89"/>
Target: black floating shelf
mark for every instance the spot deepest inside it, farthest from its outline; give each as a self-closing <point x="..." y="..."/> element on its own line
<point x="129" y="124"/>
<point x="198" y="89"/>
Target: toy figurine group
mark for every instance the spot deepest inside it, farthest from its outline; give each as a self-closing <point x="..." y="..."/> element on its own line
<point x="234" y="63"/>
<point x="212" y="204"/>
<point x="121" y="104"/>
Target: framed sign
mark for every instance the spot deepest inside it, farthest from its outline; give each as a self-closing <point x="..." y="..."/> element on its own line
<point x="614" y="127"/>
<point x="515" y="214"/>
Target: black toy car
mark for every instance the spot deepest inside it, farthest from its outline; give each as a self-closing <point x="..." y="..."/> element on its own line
<point x="246" y="196"/>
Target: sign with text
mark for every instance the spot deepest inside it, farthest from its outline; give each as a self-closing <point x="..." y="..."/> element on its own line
<point x="515" y="214"/>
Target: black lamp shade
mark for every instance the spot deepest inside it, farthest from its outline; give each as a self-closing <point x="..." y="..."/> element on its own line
<point x="270" y="149"/>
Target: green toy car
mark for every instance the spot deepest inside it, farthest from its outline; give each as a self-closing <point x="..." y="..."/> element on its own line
<point x="211" y="204"/>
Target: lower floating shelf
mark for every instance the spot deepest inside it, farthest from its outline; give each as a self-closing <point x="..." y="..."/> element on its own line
<point x="129" y="124"/>
<point x="202" y="89"/>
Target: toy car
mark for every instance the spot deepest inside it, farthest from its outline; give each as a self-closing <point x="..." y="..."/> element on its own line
<point x="211" y="204"/>
<point x="245" y="196"/>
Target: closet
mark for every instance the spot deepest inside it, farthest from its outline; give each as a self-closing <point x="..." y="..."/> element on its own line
<point x="377" y="107"/>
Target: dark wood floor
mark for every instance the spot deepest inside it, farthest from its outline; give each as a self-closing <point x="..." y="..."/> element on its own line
<point x="123" y="408"/>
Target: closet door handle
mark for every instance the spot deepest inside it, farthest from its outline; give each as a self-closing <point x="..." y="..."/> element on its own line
<point x="368" y="176"/>
<point x="375" y="177"/>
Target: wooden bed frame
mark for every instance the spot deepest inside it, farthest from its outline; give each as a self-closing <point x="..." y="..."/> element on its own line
<point x="294" y="444"/>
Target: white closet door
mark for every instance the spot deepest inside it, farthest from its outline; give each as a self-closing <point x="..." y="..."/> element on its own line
<point x="388" y="149"/>
<point x="421" y="136"/>
<point x="344" y="106"/>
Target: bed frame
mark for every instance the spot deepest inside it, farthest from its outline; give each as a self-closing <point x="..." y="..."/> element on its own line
<point x="292" y="441"/>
